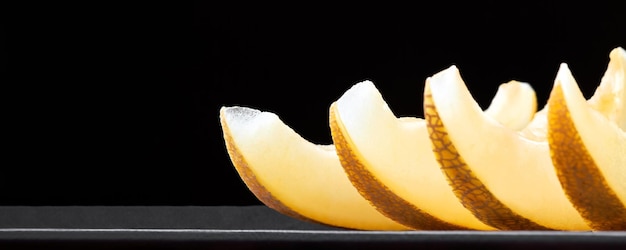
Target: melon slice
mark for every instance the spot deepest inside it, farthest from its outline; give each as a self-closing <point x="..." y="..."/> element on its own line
<point x="504" y="178"/>
<point x="390" y="161"/>
<point x="294" y="176"/>
<point x="588" y="144"/>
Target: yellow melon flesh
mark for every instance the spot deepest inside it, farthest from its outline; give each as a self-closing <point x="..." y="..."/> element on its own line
<point x="504" y="178"/>
<point x="610" y="96"/>
<point x="390" y="161"/>
<point x="514" y="105"/>
<point x="292" y="175"/>
<point x="588" y="145"/>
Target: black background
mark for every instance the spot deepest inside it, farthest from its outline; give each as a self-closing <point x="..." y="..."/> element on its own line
<point x="117" y="104"/>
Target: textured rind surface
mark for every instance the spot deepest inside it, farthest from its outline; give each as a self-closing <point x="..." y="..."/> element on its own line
<point x="578" y="173"/>
<point x="470" y="190"/>
<point x="371" y="188"/>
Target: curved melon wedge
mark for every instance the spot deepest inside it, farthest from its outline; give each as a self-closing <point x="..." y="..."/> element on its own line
<point x="505" y="179"/>
<point x="293" y="176"/>
<point x="390" y="161"/>
<point x="589" y="148"/>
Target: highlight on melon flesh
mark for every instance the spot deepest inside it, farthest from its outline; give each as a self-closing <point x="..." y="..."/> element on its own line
<point x="390" y="161"/>
<point x="514" y="105"/>
<point x="588" y="144"/>
<point x="294" y="176"/>
<point x="506" y="179"/>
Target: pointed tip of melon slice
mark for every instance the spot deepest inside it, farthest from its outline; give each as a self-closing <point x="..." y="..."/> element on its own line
<point x="516" y="97"/>
<point x="610" y="96"/>
<point x="588" y="153"/>
<point x="233" y="118"/>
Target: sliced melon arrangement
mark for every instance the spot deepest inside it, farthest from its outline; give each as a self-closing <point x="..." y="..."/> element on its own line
<point x="396" y="170"/>
<point x="504" y="179"/>
<point x="507" y="167"/>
